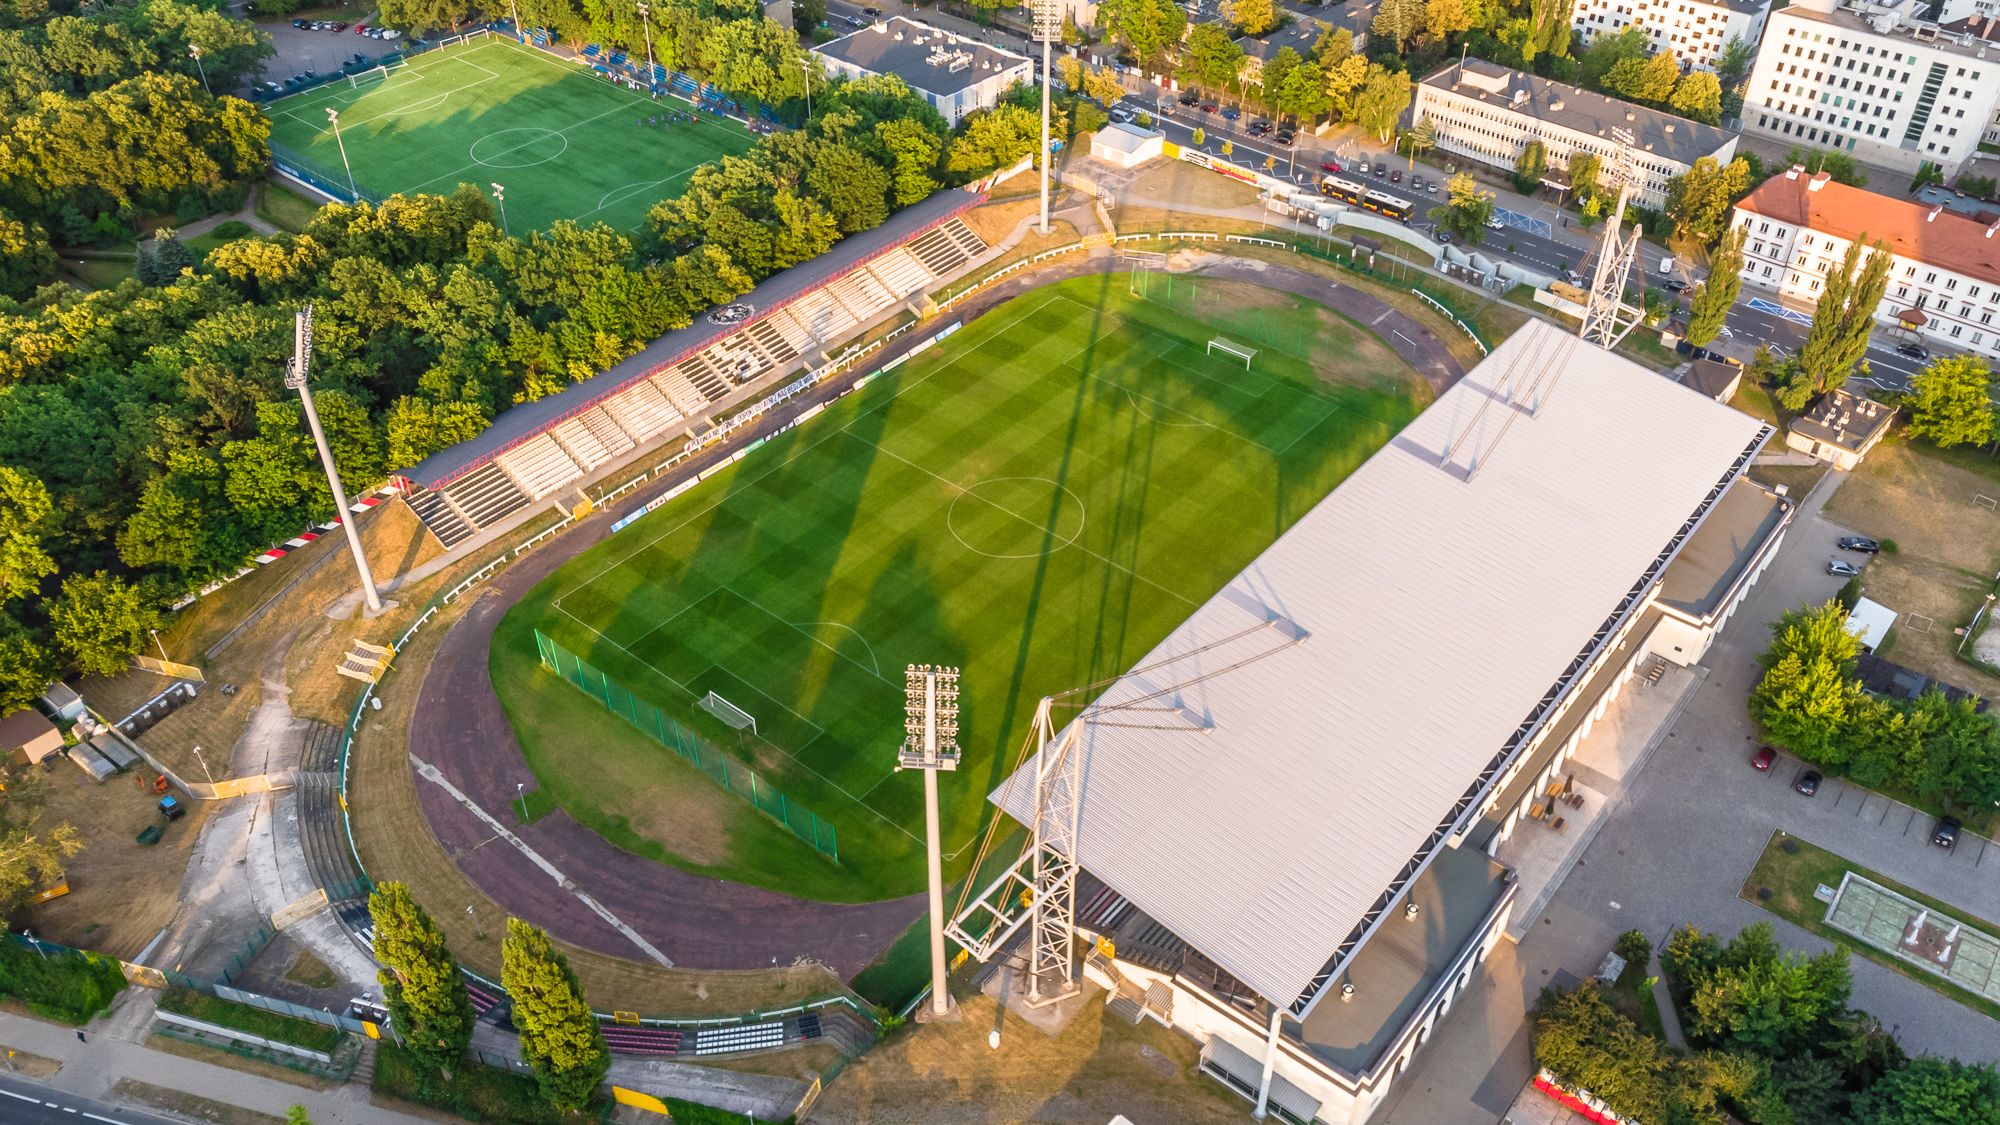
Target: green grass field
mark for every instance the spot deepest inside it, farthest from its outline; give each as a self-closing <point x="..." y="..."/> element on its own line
<point x="1039" y="499"/>
<point x="565" y="143"/>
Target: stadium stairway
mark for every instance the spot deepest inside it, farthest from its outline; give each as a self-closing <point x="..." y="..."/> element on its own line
<point x="327" y="855"/>
<point x="485" y="495"/>
<point x="443" y="520"/>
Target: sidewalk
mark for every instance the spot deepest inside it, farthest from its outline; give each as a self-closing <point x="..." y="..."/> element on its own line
<point x="114" y="1052"/>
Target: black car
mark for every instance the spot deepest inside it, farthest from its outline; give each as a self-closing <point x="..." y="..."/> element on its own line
<point x="1860" y="543"/>
<point x="1259" y="128"/>
<point x="1190" y="99"/>
<point x="876" y="12"/>
<point x="1914" y="351"/>
<point x="1284" y="138"/>
<point x="1381" y="171"/>
<point x="1808" y="783"/>
<point x="1946" y="833"/>
<point x="300" y="24"/>
<point x="1677" y="286"/>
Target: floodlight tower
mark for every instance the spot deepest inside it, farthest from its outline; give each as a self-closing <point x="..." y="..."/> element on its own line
<point x="353" y="193"/>
<point x="295" y="379"/>
<point x="1607" y="318"/>
<point x="646" y="18"/>
<point x="930" y="744"/>
<point x="1048" y="27"/>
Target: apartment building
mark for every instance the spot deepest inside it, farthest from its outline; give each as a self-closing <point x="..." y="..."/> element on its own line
<point x="1944" y="279"/>
<point x="1873" y="80"/>
<point x="954" y="74"/>
<point x="1696" y="31"/>
<point x="1487" y="112"/>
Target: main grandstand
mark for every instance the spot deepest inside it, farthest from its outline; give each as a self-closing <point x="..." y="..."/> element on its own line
<point x="1290" y="808"/>
<point x="545" y="449"/>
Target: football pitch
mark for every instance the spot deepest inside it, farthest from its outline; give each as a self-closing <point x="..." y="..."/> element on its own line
<point x="1039" y="499"/>
<point x="564" y="143"/>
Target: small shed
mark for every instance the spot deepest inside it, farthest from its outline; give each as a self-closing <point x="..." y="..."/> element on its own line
<point x="1713" y="378"/>
<point x="109" y="745"/>
<point x="62" y="702"/>
<point x="1871" y="621"/>
<point x="1126" y="146"/>
<point x="30" y="732"/>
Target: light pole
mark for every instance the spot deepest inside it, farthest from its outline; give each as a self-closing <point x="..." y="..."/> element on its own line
<point x="295" y="379"/>
<point x="930" y="727"/>
<point x="805" y="64"/>
<point x="523" y="798"/>
<point x="204" y="764"/>
<point x="195" y="52"/>
<point x="500" y="197"/>
<point x="157" y="644"/>
<point x="645" y="19"/>
<point x="353" y="193"/>
<point x="1048" y="25"/>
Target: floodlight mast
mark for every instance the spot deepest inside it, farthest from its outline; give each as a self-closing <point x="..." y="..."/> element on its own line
<point x="1048" y="27"/>
<point x="295" y="379"/>
<point x="1607" y="318"/>
<point x="930" y="744"/>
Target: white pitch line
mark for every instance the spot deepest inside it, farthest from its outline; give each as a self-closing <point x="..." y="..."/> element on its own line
<point x="430" y="773"/>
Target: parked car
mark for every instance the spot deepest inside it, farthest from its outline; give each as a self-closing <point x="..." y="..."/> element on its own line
<point x="1231" y="113"/>
<point x="1121" y="114"/>
<point x="1431" y="188"/>
<point x="1808" y="783"/>
<point x="272" y="88"/>
<point x="360" y="29"/>
<point x="1860" y="543"/>
<point x="1329" y="166"/>
<point x="1190" y="98"/>
<point x="337" y="25"/>
<point x="1361" y="168"/>
<point x="876" y="12"/>
<point x="1495" y="224"/>
<point x="1676" y="286"/>
<point x="300" y="24"/>
<point x="1396" y="176"/>
<point x="1208" y="107"/>
<point x="1843" y="569"/>
<point x="1284" y="138"/>
<point x="171" y="807"/>
<point x="390" y="33"/>
<point x="1762" y="759"/>
<point x="1381" y="171"/>
<point x="1946" y="833"/>
<point x="1914" y="351"/>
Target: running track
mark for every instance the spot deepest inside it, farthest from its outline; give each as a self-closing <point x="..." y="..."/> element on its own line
<point x="698" y="922"/>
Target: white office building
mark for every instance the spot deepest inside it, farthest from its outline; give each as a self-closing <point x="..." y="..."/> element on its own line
<point x="1487" y="112"/>
<point x="1944" y="281"/>
<point x="955" y="74"/>
<point x="1694" y="30"/>
<point x="1874" y="80"/>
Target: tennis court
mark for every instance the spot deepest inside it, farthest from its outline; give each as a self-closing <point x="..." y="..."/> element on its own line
<point x="564" y="142"/>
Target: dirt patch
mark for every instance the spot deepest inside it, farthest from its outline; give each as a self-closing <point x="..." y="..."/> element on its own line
<point x="993" y="222"/>
<point x="1798" y="480"/>
<point x="1188" y="186"/>
<point x="122" y="892"/>
<point x="310" y="971"/>
<point x="29" y="1063"/>
<point x="1928" y="505"/>
<point x="1095" y="1069"/>
<point x="188" y="1105"/>
<point x="1931" y="601"/>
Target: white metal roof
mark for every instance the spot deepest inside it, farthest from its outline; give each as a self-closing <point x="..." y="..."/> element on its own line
<point x="1871" y="621"/>
<point x="1439" y="607"/>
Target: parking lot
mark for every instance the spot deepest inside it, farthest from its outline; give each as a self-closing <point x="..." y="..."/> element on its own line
<point x="298" y="50"/>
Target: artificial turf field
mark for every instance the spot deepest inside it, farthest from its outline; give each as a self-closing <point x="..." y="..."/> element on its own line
<point x="1039" y="499"/>
<point x="564" y="143"/>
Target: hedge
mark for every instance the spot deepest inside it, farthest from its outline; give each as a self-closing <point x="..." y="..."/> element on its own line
<point x="475" y="1092"/>
<point x="71" y="986"/>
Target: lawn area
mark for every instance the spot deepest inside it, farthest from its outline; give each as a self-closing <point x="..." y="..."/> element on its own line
<point x="285" y="207"/>
<point x="475" y="1093"/>
<point x="567" y="144"/>
<point x="1039" y="501"/>
<point x="251" y="1021"/>
<point x="1783" y="883"/>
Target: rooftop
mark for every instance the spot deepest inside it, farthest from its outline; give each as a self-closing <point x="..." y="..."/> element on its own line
<point x="1883" y="678"/>
<point x="1846" y="420"/>
<point x="24" y="727"/>
<point x="1929" y="234"/>
<point x="1712" y="377"/>
<point x="1300" y="35"/>
<point x="1338" y="707"/>
<point x="1900" y="24"/>
<point x="928" y="58"/>
<point x="1578" y="110"/>
<point x="1957" y="202"/>
<point x="1723" y="548"/>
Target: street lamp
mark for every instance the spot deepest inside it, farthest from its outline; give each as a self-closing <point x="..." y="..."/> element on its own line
<point x="195" y="52"/>
<point x="353" y="193"/>
<point x="204" y="764"/>
<point x="930" y="724"/>
<point x="523" y="798"/>
<point x="644" y="18"/>
<point x="157" y="644"/>
<point x="500" y="197"/>
<point x="1048" y="27"/>
<point x="805" y="64"/>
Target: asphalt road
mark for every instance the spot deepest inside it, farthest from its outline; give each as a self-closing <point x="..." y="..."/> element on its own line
<point x="26" y="1103"/>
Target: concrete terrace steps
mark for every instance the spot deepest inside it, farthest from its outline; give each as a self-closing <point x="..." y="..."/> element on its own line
<point x="485" y="495"/>
<point x="900" y="273"/>
<point x="606" y="430"/>
<point x="581" y="445"/>
<point x="539" y="466"/>
<point x="772" y="341"/>
<point x="320" y="833"/>
<point x="642" y="410"/>
<point x="439" y="516"/>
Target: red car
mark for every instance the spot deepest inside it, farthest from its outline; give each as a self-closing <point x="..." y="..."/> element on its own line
<point x="1396" y="177"/>
<point x="1762" y="759"/>
<point x="360" y="29"/>
<point x="1329" y="166"/>
<point x="1208" y="107"/>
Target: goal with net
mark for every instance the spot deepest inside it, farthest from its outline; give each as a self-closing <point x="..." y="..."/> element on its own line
<point x="1227" y="347"/>
<point x="373" y="74"/>
<point x="729" y="712"/>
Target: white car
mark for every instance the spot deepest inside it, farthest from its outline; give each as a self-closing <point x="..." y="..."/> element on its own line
<point x="392" y="33"/>
<point x="1495" y="224"/>
<point x="1121" y="114"/>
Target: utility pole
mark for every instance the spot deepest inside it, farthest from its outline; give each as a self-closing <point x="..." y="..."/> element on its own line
<point x="1048" y="26"/>
<point x="353" y="193"/>
<point x="930" y="744"/>
<point x="805" y="64"/>
<point x="295" y="379"/>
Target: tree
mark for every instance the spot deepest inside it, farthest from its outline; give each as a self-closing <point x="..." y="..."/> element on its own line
<point x="1699" y="200"/>
<point x="1761" y="1001"/>
<point x="1808" y="693"/>
<point x="1951" y="402"/>
<point x="25" y="509"/>
<point x="26" y="258"/>
<point x="1465" y="210"/>
<point x="1732" y="63"/>
<point x="1529" y="165"/>
<point x="1584" y="168"/>
<point x="1422" y="136"/>
<point x="1200" y="136"/>
<point x="913" y="152"/>
<point x="1928" y="173"/>
<point x="1146" y="28"/>
<point x="1445" y="18"/>
<point x="421" y="984"/>
<point x="1838" y="337"/>
<point x="560" y="1038"/>
<point x="1716" y="295"/>
<point x="995" y="138"/>
<point x="26" y="667"/>
<point x="1649" y="81"/>
<point x="808" y="13"/>
<point x="1551" y="28"/>
<point x="1251" y="17"/>
<point x="1275" y="72"/>
<point x="1698" y="96"/>
<point x="1397" y="22"/>
<point x="100" y="621"/>
<point x="1210" y="57"/>
<point x="31" y="858"/>
<point x="1931" y="1090"/>
<point x="298" y="1114"/>
<point x="161" y="262"/>
<point x="853" y="188"/>
<point x="1101" y="84"/>
<point x="1303" y="94"/>
<point x="1606" y="52"/>
<point x="1382" y="100"/>
<point x="1585" y="1044"/>
<point x="1839" y="165"/>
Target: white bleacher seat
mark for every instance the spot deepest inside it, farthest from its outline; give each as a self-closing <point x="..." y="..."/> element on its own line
<point x="540" y="466"/>
<point x="794" y="330"/>
<point x="826" y="319"/>
<point x="485" y="495"/>
<point x="756" y="1037"/>
<point x="771" y="341"/>
<point x="900" y="273"/>
<point x="581" y="445"/>
<point x="606" y="430"/>
<point x="874" y="295"/>
<point x="681" y="393"/>
<point x="642" y="410"/>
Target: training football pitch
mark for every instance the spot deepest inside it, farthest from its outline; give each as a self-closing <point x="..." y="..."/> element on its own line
<point x="1039" y="499"/>
<point x="564" y="143"/>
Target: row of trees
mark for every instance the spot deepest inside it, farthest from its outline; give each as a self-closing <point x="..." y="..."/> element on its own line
<point x="1771" y="1041"/>
<point x="1810" y="702"/>
<point x="433" y="1015"/>
<point x="1332" y="81"/>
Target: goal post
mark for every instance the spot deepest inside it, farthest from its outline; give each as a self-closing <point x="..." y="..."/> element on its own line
<point x="1231" y="348"/>
<point x="729" y="712"/>
<point x="374" y="74"/>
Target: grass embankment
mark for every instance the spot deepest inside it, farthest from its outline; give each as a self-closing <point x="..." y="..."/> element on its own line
<point x="251" y="1021"/>
<point x="68" y="986"/>
<point x="1790" y="870"/>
